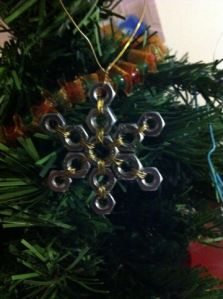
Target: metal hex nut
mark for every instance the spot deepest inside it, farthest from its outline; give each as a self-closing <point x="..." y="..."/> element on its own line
<point x="158" y="123"/>
<point x="58" y="181"/>
<point x="51" y="121"/>
<point x="127" y="167"/>
<point x="156" y="181"/>
<point x="103" y="206"/>
<point x="93" y="120"/>
<point x="103" y="91"/>
<point x="79" y="163"/>
<point x="95" y="183"/>
<point x="73" y="140"/>
<point x="110" y="151"/>
<point x="122" y="133"/>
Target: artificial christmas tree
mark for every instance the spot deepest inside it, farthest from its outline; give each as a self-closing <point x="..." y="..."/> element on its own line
<point x="53" y="244"/>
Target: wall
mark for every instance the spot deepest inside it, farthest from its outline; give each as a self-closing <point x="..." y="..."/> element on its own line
<point x="194" y="26"/>
<point x="135" y="7"/>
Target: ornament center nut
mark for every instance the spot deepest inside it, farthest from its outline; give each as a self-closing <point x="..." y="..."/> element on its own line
<point x="104" y="151"/>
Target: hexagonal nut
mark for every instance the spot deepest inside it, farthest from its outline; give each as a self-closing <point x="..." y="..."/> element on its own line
<point x="97" y="121"/>
<point x="76" y="165"/>
<point x="58" y="181"/>
<point x="51" y="121"/>
<point x="127" y="135"/>
<point x="105" y="179"/>
<point x="103" y="206"/>
<point x="105" y="151"/>
<point x="127" y="167"/>
<point x="103" y="91"/>
<point x="75" y="138"/>
<point x="154" y="121"/>
<point x="156" y="179"/>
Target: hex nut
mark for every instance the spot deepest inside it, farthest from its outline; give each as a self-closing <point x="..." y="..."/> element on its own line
<point x="50" y="121"/>
<point x="103" y="91"/>
<point x="57" y="186"/>
<point x="157" y="179"/>
<point x="93" y="119"/>
<point x="133" y="166"/>
<point x="82" y="166"/>
<point x="95" y="183"/>
<point x="106" y="151"/>
<point x="124" y="130"/>
<point x="103" y="206"/>
<point x="159" y="123"/>
<point x="81" y="136"/>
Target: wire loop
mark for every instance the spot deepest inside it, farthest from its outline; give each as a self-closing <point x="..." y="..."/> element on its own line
<point x="121" y="53"/>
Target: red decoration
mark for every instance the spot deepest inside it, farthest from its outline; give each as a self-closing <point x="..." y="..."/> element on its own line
<point x="14" y="130"/>
<point x="208" y="257"/>
<point x="124" y="75"/>
<point x="132" y="70"/>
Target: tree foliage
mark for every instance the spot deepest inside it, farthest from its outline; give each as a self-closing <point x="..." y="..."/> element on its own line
<point x="53" y="246"/>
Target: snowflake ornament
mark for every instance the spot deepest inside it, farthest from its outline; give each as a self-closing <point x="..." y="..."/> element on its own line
<point x="103" y="158"/>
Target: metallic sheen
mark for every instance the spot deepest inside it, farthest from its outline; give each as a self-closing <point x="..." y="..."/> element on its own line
<point x="102" y="90"/>
<point x="159" y="123"/>
<point x="93" y="120"/>
<point x="133" y="165"/>
<point x="51" y="121"/>
<point x="103" y="206"/>
<point x="55" y="185"/>
<point x="95" y="181"/>
<point x="83" y="165"/>
<point x="72" y="144"/>
<point x="157" y="179"/>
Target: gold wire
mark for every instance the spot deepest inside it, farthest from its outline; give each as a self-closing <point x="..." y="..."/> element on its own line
<point x="62" y="131"/>
<point x="100" y="106"/>
<point x="129" y="41"/>
<point x="106" y="71"/>
<point x="117" y="161"/>
<point x="102" y="192"/>
<point x="100" y="163"/>
<point x="92" y="155"/>
<point x="101" y="166"/>
<point x="90" y="146"/>
<point x="100" y="134"/>
<point x="140" y="174"/>
<point x="84" y="35"/>
<point x="118" y="141"/>
<point x="70" y="171"/>
<point x="143" y="128"/>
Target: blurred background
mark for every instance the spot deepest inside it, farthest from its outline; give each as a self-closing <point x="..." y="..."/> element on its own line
<point x="188" y="26"/>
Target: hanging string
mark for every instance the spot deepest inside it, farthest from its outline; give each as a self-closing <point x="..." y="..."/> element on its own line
<point x="83" y="34"/>
<point x="126" y="46"/>
<point x="130" y="40"/>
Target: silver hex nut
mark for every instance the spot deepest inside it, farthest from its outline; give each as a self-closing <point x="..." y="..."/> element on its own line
<point x="105" y="179"/>
<point x="58" y="181"/>
<point x="128" y="134"/>
<point x="155" y="179"/>
<point x="76" y="165"/>
<point x="103" y="91"/>
<point x="153" y="121"/>
<point x="127" y="166"/>
<point x="102" y="151"/>
<point x="103" y="206"/>
<point x="51" y="121"/>
<point x="75" y="137"/>
<point x="96" y="121"/>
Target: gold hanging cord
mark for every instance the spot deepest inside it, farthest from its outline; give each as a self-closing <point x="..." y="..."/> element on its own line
<point x="107" y="70"/>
